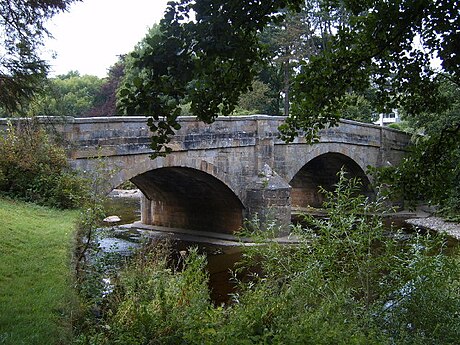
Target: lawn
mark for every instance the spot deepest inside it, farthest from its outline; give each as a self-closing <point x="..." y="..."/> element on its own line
<point x="36" y="294"/>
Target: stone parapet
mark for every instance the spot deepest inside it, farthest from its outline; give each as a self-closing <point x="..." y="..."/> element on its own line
<point x="223" y="172"/>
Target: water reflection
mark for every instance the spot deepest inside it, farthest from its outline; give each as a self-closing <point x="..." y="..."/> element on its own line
<point x="122" y="242"/>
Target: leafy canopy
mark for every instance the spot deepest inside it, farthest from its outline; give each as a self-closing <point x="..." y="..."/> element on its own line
<point x="207" y="53"/>
<point x="22" y="30"/>
<point x="389" y="45"/>
<point x="70" y="95"/>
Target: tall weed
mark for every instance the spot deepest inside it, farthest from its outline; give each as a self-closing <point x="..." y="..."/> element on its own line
<point x="345" y="280"/>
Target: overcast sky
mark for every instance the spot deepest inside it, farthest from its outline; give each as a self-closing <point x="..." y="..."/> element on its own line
<point x="93" y="33"/>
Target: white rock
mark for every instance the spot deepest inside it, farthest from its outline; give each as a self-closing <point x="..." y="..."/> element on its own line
<point x="112" y="219"/>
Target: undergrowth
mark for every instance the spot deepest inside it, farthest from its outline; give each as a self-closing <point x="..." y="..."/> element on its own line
<point x="346" y="280"/>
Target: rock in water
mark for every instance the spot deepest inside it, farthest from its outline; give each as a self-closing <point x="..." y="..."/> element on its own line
<point x="112" y="219"/>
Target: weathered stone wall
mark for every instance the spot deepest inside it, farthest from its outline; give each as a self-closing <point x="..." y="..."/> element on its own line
<point x="240" y="158"/>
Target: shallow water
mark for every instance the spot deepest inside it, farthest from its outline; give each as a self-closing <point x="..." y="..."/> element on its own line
<point x="123" y="240"/>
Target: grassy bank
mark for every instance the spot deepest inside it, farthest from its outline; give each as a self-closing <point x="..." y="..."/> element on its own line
<point x="36" y="293"/>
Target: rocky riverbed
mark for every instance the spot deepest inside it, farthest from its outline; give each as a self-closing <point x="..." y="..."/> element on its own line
<point x="437" y="224"/>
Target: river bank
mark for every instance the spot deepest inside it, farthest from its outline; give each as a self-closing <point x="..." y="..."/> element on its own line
<point x="437" y="224"/>
<point x="37" y="299"/>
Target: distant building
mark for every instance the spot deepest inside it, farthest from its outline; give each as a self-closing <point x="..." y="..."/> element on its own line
<point x="386" y="119"/>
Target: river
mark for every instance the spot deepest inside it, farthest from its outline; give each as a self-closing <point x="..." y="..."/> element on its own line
<point x="222" y="255"/>
<point x="122" y="238"/>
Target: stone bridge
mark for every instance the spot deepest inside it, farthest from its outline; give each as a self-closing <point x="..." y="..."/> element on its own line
<point x="220" y="174"/>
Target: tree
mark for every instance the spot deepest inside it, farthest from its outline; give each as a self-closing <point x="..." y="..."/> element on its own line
<point x="76" y="95"/>
<point x="208" y="60"/>
<point x="67" y="95"/>
<point x="22" y="32"/>
<point x="131" y="70"/>
<point x="358" y="106"/>
<point x="105" y="98"/>
<point x="213" y="57"/>
<point x="388" y="45"/>
<point x="300" y="36"/>
<point x="258" y="99"/>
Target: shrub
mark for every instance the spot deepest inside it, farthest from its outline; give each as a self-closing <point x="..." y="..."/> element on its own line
<point x="155" y="303"/>
<point x="346" y="280"/>
<point x="34" y="168"/>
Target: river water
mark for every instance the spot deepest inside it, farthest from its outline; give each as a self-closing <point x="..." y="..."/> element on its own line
<point x="122" y="238"/>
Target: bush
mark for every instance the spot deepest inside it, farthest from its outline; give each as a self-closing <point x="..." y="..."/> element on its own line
<point x="347" y="280"/>
<point x="35" y="169"/>
<point x="157" y="304"/>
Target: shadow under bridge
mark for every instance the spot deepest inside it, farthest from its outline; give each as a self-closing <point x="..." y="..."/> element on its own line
<point x="187" y="198"/>
<point x="322" y="171"/>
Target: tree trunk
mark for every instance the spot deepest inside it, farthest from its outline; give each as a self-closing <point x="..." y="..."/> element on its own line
<point x="286" y="87"/>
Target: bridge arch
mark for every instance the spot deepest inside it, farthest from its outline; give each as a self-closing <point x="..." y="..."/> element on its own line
<point x="321" y="170"/>
<point x="133" y="166"/>
<point x="182" y="192"/>
<point x="188" y="198"/>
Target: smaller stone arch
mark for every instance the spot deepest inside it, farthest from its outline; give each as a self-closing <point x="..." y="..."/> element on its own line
<point x="363" y="156"/>
<point x="322" y="170"/>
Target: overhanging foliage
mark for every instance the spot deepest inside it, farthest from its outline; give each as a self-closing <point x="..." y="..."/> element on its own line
<point x="207" y="53"/>
<point x="22" y="29"/>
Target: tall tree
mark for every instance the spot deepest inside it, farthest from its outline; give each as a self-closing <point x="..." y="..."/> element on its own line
<point x="22" y="30"/>
<point x="207" y="59"/>
<point x="300" y="36"/>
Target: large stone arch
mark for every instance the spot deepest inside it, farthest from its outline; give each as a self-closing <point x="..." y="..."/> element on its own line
<point x="135" y="165"/>
<point x="184" y="192"/>
<point x="187" y="198"/>
<point x="321" y="170"/>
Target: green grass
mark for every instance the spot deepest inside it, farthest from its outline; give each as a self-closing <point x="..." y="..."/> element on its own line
<point x="36" y="294"/>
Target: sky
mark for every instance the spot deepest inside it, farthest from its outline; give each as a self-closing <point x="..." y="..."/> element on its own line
<point x="90" y="36"/>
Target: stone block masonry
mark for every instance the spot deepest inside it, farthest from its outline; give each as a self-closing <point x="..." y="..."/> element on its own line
<point x="220" y="174"/>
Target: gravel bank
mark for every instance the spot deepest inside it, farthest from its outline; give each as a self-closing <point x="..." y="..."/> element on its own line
<point x="437" y="224"/>
<point x="125" y="193"/>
